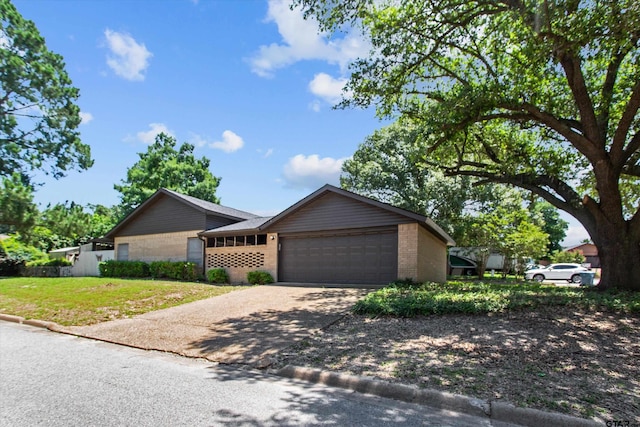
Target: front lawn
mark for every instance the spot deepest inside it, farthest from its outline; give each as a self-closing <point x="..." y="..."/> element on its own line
<point x="88" y="300"/>
<point x="406" y="300"/>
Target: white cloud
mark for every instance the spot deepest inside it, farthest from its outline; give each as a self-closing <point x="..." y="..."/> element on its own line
<point x="85" y="117"/>
<point x="266" y="153"/>
<point x="326" y="87"/>
<point x="128" y="58"/>
<point x="149" y="137"/>
<point x="230" y="142"/>
<point x="312" y="172"/>
<point x="302" y="41"/>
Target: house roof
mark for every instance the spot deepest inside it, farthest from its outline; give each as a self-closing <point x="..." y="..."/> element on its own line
<point x="586" y="249"/>
<point x="268" y="222"/>
<point x="198" y="204"/>
<point x="249" y="225"/>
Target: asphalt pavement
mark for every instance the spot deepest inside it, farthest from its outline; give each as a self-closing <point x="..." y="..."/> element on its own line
<point x="51" y="379"/>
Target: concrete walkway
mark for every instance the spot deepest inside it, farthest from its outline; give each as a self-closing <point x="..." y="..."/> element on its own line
<point x="245" y="326"/>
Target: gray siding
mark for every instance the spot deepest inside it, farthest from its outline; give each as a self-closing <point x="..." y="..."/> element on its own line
<point x="214" y="221"/>
<point x="333" y="212"/>
<point x="166" y="215"/>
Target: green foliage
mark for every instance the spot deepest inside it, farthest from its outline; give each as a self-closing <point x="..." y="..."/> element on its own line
<point x="69" y="224"/>
<point x="542" y="98"/>
<point x="162" y="166"/>
<point x="509" y="230"/>
<point x="55" y="262"/>
<point x="15" y="249"/>
<point x="388" y="166"/>
<point x="567" y="256"/>
<point x="38" y="112"/>
<point x="178" y="270"/>
<point x="259" y="277"/>
<point x="552" y="224"/>
<point x="18" y="213"/>
<point x="113" y="268"/>
<point x="217" y="275"/>
<point x="11" y="267"/>
<point x="479" y="298"/>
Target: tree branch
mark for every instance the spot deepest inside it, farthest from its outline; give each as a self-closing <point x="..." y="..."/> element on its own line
<point x="619" y="154"/>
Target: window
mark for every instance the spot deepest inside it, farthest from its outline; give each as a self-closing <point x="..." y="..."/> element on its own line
<point x="231" y="241"/>
<point x="123" y="252"/>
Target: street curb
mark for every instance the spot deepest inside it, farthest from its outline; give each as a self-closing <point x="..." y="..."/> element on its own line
<point x="497" y="411"/>
<point x="31" y="322"/>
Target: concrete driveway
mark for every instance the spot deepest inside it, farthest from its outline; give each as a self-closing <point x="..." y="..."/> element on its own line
<point x="246" y="326"/>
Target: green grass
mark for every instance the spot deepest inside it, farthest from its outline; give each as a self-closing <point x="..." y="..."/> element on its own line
<point x="88" y="300"/>
<point x="406" y="300"/>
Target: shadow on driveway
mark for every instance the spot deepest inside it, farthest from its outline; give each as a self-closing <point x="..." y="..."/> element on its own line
<point x="245" y="326"/>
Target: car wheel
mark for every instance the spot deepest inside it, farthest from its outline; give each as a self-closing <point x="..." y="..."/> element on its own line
<point x="538" y="277"/>
<point x="576" y="279"/>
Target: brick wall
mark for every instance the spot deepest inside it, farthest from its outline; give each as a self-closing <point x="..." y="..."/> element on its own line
<point x="432" y="258"/>
<point x="157" y="247"/>
<point x="239" y="260"/>
<point x="421" y="256"/>
<point x="408" y="251"/>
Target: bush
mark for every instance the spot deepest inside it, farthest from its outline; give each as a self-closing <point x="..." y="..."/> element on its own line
<point x="11" y="267"/>
<point x="15" y="249"/>
<point x="217" y="275"/>
<point x="179" y="270"/>
<point x="113" y="268"/>
<point x="259" y="277"/>
<point x="56" y="262"/>
<point x="481" y="297"/>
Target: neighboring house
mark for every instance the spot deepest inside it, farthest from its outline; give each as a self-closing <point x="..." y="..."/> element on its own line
<point x="70" y="253"/>
<point x="590" y="252"/>
<point x="165" y="228"/>
<point x="331" y="236"/>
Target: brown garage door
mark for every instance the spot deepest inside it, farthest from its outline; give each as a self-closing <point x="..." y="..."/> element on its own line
<point x="350" y="258"/>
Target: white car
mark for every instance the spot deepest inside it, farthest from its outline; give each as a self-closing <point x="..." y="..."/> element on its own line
<point x="569" y="272"/>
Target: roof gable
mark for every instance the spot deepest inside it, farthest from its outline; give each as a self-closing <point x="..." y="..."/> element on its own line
<point x="203" y="207"/>
<point x="393" y="214"/>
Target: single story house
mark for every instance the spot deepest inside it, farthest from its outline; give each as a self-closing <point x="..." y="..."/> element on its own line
<point x="590" y="252"/>
<point x="331" y="236"/>
<point x="165" y="228"/>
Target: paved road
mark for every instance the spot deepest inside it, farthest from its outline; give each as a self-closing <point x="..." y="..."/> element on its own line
<point x="60" y="380"/>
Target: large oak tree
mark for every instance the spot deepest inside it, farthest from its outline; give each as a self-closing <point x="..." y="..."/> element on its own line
<point x="543" y="95"/>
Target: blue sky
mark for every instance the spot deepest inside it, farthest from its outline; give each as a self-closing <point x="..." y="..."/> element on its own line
<point x="248" y="82"/>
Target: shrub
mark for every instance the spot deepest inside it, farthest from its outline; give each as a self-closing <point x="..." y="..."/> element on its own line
<point x="217" y="275"/>
<point x="178" y="270"/>
<point x="56" y="262"/>
<point x="11" y="267"/>
<point x="259" y="277"/>
<point x="15" y="249"/>
<point x="113" y="268"/>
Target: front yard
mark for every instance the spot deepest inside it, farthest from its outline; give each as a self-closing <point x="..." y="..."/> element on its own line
<point x="559" y="349"/>
<point x="82" y="301"/>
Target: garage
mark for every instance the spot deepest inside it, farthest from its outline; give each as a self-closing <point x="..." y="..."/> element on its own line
<point x="347" y="257"/>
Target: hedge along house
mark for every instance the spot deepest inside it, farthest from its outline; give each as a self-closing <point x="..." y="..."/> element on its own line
<point x="332" y="236"/>
<point x="165" y="228"/>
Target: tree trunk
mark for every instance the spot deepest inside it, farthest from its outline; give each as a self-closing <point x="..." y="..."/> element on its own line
<point x="619" y="253"/>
